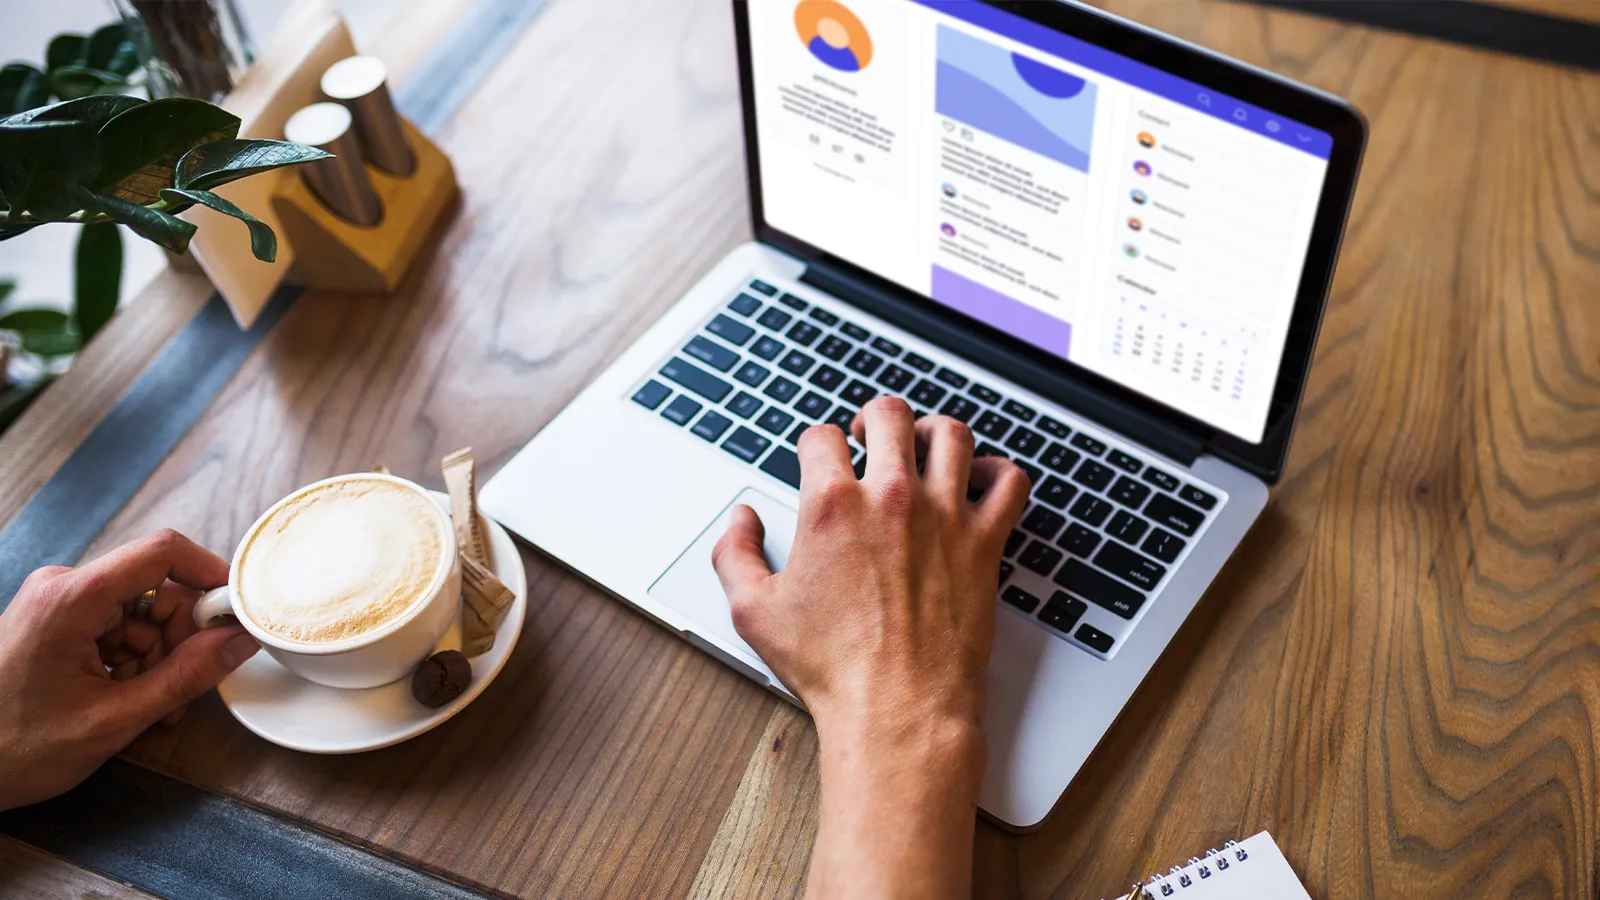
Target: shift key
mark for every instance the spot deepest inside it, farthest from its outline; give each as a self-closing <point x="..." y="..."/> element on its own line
<point x="696" y="379"/>
<point x="1099" y="588"/>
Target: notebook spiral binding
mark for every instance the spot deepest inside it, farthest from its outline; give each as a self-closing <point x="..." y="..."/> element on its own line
<point x="1172" y="884"/>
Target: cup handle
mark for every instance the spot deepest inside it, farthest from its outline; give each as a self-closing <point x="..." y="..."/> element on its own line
<point x="212" y="606"/>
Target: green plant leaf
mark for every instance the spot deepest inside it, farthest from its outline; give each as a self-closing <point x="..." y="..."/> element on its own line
<point x="65" y="50"/>
<point x="263" y="243"/>
<point x="41" y="161"/>
<point x="72" y="82"/>
<point x="52" y="341"/>
<point x="7" y="287"/>
<point x="13" y="401"/>
<point x="22" y="87"/>
<point x="103" y="46"/>
<point x="96" y="111"/>
<point x="153" y="225"/>
<point x="220" y="162"/>
<point x="35" y="319"/>
<point x="143" y="144"/>
<point x="98" y="264"/>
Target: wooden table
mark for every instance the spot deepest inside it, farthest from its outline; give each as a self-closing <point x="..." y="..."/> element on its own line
<point x="1397" y="675"/>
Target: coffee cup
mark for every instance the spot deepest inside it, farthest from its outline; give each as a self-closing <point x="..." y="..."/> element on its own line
<point x="349" y="582"/>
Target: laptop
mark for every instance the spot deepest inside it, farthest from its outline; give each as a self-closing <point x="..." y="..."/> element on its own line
<point x="1104" y="249"/>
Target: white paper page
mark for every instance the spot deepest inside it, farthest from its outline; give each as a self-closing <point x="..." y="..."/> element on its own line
<point x="1263" y="874"/>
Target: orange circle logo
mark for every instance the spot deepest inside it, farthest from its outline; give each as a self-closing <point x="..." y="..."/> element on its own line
<point x="833" y="34"/>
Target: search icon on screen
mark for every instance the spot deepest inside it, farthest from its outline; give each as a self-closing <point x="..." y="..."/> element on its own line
<point x="1203" y="99"/>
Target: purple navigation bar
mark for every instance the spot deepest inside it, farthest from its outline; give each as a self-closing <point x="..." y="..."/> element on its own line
<point x="1181" y="91"/>
<point x="995" y="309"/>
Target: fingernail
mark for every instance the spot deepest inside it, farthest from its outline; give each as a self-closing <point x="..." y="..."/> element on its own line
<point x="237" y="649"/>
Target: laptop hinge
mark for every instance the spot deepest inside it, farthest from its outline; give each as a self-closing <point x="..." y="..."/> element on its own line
<point x="1137" y="425"/>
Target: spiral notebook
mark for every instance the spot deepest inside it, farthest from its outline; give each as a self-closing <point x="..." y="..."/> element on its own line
<point x="1252" y="869"/>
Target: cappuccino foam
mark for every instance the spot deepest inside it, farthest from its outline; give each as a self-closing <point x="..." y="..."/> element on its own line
<point x="340" y="560"/>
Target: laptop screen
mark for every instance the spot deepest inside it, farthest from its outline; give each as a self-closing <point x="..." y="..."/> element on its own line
<point x="1145" y="227"/>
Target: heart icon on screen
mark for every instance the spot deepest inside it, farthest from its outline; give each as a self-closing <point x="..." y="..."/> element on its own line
<point x="949" y="125"/>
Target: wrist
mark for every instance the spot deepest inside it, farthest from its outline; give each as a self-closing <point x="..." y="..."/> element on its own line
<point x="905" y="750"/>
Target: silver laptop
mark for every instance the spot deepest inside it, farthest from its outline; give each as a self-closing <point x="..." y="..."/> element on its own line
<point x="1104" y="249"/>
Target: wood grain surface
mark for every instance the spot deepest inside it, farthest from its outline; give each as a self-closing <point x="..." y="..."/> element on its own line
<point x="29" y="874"/>
<point x="1396" y="674"/>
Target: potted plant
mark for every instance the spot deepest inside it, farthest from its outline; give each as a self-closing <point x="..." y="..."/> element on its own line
<point x="98" y="159"/>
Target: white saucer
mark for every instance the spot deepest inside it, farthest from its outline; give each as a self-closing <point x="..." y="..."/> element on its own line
<point x="301" y="715"/>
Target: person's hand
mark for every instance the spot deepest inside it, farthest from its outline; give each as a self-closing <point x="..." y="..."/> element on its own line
<point x="80" y="678"/>
<point x="882" y="623"/>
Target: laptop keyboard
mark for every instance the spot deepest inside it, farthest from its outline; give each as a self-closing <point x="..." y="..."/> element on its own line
<point x="1103" y="530"/>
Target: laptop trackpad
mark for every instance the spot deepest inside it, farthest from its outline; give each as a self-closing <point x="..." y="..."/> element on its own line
<point x="690" y="585"/>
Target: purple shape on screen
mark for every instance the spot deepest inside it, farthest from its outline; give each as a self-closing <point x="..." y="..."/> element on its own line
<point x="995" y="309"/>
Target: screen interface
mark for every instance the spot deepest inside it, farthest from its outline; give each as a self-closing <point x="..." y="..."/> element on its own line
<point x="1139" y="225"/>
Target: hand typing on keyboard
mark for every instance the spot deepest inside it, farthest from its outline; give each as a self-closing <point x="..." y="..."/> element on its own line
<point x="882" y="623"/>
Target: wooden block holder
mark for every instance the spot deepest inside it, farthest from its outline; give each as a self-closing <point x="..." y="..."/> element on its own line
<point x="331" y="252"/>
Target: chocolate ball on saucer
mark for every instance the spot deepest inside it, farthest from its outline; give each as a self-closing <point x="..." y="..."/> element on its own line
<point x="441" y="678"/>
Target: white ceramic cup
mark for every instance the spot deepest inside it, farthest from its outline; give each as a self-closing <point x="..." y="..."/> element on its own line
<point x="378" y="657"/>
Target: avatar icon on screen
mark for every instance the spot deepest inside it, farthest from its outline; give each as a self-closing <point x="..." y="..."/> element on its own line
<point x="833" y="34"/>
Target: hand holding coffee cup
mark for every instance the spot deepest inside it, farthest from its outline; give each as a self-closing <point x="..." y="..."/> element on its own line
<point x="348" y="582"/>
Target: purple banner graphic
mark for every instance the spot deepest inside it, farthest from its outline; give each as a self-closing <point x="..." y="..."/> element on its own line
<point x="995" y="309"/>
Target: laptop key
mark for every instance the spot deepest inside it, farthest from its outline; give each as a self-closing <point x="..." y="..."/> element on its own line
<point x="835" y="348"/>
<point x="1088" y="444"/>
<point x="746" y="444"/>
<point x="793" y="302"/>
<point x="865" y="362"/>
<point x="796" y="363"/>
<point x="1129" y="493"/>
<point x="1091" y="509"/>
<point x="711" y="425"/>
<point x="991" y="425"/>
<point x="1099" y="588"/>
<point x="744" y="304"/>
<point x="1060" y="459"/>
<point x="841" y="417"/>
<point x="918" y="362"/>
<point x="763" y="287"/>
<point x="1033" y="472"/>
<point x="886" y="347"/>
<point x="775" y="420"/>
<point x="1005" y="571"/>
<point x="1063" y="611"/>
<point x="1160" y="479"/>
<point x="804" y="333"/>
<point x="1093" y="475"/>
<point x="895" y="378"/>
<point x="711" y="353"/>
<point x="1078" y="540"/>
<point x="1124" y="462"/>
<point x="813" y="405"/>
<point x="987" y="395"/>
<point x="794" y="433"/>
<point x="1040" y="558"/>
<point x="1094" y="637"/>
<point x="1193" y="495"/>
<point x="783" y="465"/>
<point x="1020" y="598"/>
<point x="767" y="347"/>
<point x="1130" y="565"/>
<point x="1014" y="542"/>
<point x="954" y="379"/>
<point x="858" y="392"/>
<point x="744" y="405"/>
<point x="823" y="316"/>
<point x="782" y="389"/>
<point x="774" y="318"/>
<point x="651" y="394"/>
<point x="680" y="410"/>
<point x="1053" y="428"/>
<point x="1127" y="527"/>
<point x="1017" y="410"/>
<point x="928" y="394"/>
<point x="1163" y="545"/>
<point x="752" y="374"/>
<point x="1041" y="521"/>
<point x="855" y="331"/>
<point x="827" y="377"/>
<point x="959" y="408"/>
<point x="1025" y="441"/>
<point x="1179" y="517"/>
<point x="735" y="333"/>
<point x="1055" y="492"/>
<point x="985" y="448"/>
<point x="696" y="379"/>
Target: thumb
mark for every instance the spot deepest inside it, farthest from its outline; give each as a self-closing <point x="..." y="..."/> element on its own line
<point x="193" y="667"/>
<point x="737" y="554"/>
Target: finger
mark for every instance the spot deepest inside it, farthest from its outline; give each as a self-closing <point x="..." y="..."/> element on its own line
<point x="885" y="427"/>
<point x="824" y="458"/>
<point x="947" y="463"/>
<point x="1005" y="494"/>
<point x="126" y="669"/>
<point x="140" y="637"/>
<point x="737" y="556"/>
<point x="193" y="667"/>
<point x="132" y="569"/>
<point x="173" y="612"/>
